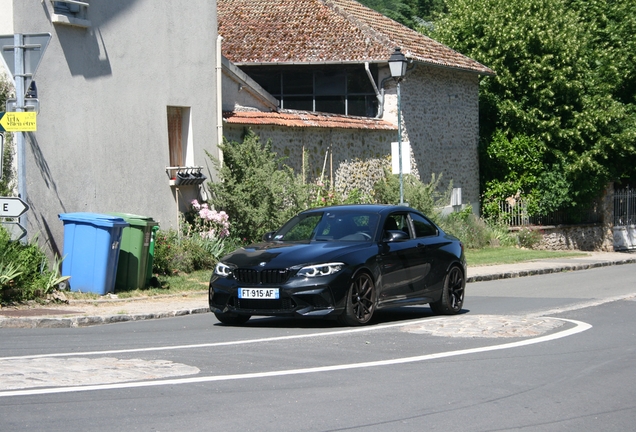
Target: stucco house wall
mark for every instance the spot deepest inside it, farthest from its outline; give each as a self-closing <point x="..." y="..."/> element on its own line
<point x="102" y="138"/>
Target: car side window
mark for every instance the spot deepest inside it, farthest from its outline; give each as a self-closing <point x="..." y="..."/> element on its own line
<point x="423" y="227"/>
<point x="397" y="221"/>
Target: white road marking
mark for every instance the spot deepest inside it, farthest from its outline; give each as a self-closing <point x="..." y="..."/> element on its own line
<point x="218" y="344"/>
<point x="579" y="327"/>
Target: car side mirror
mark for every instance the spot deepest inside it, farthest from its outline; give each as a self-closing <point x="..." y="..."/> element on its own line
<point x="269" y="236"/>
<point x="395" y="235"/>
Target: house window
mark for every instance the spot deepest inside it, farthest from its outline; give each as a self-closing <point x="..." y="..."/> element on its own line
<point x="70" y="12"/>
<point x="179" y="137"/>
<point x="331" y="89"/>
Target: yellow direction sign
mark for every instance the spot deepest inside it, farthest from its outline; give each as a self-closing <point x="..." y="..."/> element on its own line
<point x="17" y="122"/>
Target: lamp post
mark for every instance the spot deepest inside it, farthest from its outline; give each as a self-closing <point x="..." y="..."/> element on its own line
<point x="397" y="65"/>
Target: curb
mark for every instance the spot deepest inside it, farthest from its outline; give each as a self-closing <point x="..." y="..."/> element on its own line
<point x="86" y="321"/>
<point x="548" y="270"/>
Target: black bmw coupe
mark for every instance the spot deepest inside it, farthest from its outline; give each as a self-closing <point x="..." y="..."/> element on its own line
<point x="342" y="262"/>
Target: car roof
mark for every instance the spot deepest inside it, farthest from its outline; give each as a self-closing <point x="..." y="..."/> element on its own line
<point x="375" y="208"/>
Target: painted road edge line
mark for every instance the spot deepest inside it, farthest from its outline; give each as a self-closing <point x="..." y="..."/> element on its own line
<point x="579" y="328"/>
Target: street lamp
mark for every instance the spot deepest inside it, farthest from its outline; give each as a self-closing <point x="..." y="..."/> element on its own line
<point x="397" y="65"/>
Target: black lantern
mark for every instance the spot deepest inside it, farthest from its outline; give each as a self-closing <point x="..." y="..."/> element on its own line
<point x="397" y="64"/>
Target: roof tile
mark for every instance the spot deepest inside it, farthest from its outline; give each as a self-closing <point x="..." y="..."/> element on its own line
<point x="324" y="31"/>
<point x="305" y="119"/>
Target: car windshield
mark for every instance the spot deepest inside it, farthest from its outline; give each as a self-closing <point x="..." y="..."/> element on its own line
<point x="330" y="226"/>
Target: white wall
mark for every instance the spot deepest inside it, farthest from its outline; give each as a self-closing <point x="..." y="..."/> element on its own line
<point x="101" y="143"/>
<point x="6" y="17"/>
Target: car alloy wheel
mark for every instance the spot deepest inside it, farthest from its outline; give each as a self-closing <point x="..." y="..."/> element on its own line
<point x="360" y="301"/>
<point x="453" y="294"/>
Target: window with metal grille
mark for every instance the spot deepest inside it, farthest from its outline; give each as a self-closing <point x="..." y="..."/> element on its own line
<point x="338" y="89"/>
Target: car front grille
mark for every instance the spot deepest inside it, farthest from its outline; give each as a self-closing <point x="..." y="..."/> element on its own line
<point x="262" y="277"/>
<point x="263" y="305"/>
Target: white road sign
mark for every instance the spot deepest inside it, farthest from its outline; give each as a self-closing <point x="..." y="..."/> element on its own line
<point x="12" y="207"/>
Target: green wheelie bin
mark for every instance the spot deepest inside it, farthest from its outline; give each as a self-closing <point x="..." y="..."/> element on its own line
<point x="134" y="254"/>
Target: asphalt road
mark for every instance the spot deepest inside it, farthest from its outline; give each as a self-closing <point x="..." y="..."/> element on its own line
<point x="548" y="353"/>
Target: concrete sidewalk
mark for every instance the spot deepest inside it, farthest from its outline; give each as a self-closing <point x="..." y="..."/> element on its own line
<point x="107" y="311"/>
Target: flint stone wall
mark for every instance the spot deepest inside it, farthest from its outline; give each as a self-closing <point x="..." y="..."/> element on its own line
<point x="592" y="237"/>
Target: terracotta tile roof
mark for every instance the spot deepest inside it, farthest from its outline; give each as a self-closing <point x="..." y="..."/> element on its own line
<point x="289" y="118"/>
<point x="324" y="31"/>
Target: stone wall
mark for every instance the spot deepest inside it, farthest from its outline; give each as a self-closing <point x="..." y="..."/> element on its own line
<point x="346" y="158"/>
<point x="593" y="237"/>
<point x="585" y="237"/>
<point x="440" y="120"/>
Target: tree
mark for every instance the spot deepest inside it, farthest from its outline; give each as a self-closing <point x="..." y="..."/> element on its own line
<point x="560" y="81"/>
<point x="411" y="13"/>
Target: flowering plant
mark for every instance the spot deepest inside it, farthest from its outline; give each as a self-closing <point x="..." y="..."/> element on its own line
<point x="322" y="195"/>
<point x="209" y="224"/>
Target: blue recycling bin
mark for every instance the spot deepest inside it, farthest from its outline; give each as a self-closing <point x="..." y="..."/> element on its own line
<point x="91" y="251"/>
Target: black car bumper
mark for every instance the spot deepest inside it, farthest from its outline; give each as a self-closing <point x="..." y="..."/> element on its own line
<point x="296" y="298"/>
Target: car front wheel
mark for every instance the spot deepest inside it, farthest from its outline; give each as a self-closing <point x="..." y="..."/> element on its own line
<point x="452" y="298"/>
<point x="360" y="303"/>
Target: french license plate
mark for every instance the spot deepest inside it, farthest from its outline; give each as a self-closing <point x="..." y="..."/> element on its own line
<point x="258" y="293"/>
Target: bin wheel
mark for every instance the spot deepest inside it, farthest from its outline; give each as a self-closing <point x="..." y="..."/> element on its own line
<point x="63" y="286"/>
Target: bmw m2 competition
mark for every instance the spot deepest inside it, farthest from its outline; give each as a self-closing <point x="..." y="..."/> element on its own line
<point x="342" y="262"/>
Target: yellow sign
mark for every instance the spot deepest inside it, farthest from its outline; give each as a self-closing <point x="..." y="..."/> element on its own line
<point x="18" y="122"/>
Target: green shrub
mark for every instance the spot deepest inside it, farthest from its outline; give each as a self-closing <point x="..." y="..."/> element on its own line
<point x="474" y="232"/>
<point x="529" y="238"/>
<point x="201" y="241"/>
<point x="257" y="190"/>
<point x="176" y="253"/>
<point x="25" y="273"/>
<point x="424" y="197"/>
<point x="467" y="227"/>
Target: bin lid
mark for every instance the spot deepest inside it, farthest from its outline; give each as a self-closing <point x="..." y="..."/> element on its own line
<point x="136" y="220"/>
<point x="94" y="219"/>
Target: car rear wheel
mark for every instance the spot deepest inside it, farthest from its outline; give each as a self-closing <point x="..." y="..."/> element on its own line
<point x="360" y="303"/>
<point x="231" y="319"/>
<point x="452" y="298"/>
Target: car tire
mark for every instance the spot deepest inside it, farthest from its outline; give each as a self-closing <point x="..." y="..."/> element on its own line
<point x="452" y="298"/>
<point x="232" y="319"/>
<point x="360" y="301"/>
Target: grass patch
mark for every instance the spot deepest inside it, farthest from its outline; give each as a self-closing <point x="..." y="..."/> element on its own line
<point x="511" y="255"/>
<point x="179" y="283"/>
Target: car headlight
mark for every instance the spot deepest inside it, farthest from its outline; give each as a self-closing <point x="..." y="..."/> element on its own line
<point x="222" y="270"/>
<point x="320" y="269"/>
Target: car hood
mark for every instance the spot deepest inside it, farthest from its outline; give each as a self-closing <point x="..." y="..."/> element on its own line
<point x="286" y="255"/>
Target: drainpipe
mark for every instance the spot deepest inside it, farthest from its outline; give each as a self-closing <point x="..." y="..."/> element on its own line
<point x="375" y="88"/>
<point x="219" y="97"/>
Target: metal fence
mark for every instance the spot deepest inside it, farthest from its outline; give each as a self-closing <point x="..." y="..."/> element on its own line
<point x="625" y="207"/>
<point x="515" y="214"/>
